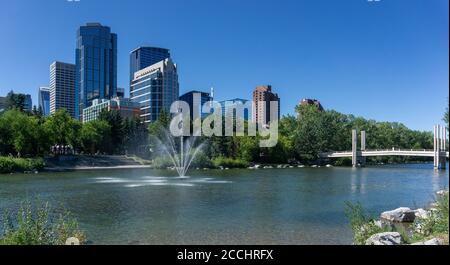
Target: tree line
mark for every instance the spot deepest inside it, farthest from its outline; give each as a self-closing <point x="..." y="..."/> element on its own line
<point x="301" y="137"/>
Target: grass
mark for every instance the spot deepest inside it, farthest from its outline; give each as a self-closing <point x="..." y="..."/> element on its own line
<point x="435" y="226"/>
<point x="36" y="225"/>
<point x="230" y="162"/>
<point x="12" y="164"/>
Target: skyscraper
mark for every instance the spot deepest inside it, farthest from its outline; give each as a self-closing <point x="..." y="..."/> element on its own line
<point x="196" y="99"/>
<point x="229" y="108"/>
<point x="44" y="100"/>
<point x="96" y="65"/>
<point x="262" y="96"/>
<point x="143" y="57"/>
<point x="155" y="88"/>
<point x="28" y="103"/>
<point x="2" y="103"/>
<point x="62" y="88"/>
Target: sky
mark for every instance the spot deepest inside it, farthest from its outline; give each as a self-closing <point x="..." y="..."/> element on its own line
<point x="385" y="60"/>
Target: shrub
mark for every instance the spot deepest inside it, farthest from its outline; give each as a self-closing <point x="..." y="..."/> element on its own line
<point x="33" y="225"/>
<point x="11" y="164"/>
<point x="363" y="226"/>
<point x="230" y="163"/>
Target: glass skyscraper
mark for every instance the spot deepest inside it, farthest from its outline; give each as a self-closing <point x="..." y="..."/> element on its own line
<point x="155" y="88"/>
<point x="44" y="100"/>
<point x="197" y="99"/>
<point x="143" y="57"/>
<point x="96" y="65"/>
<point x="229" y="108"/>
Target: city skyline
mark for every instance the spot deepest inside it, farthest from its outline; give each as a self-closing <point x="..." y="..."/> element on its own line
<point x="388" y="61"/>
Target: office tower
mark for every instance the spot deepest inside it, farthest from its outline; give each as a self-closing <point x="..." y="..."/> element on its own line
<point x="229" y="108"/>
<point x="28" y="103"/>
<point x="62" y="88"/>
<point x="262" y="96"/>
<point x="312" y="102"/>
<point x="155" y="88"/>
<point x="197" y="99"/>
<point x="126" y="108"/>
<point x="120" y="93"/>
<point x="44" y="100"/>
<point x="96" y="65"/>
<point x="143" y="57"/>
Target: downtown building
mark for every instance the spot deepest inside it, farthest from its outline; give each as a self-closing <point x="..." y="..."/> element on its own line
<point x="262" y="96"/>
<point x="230" y="108"/>
<point x="196" y="100"/>
<point x="127" y="108"/>
<point x="145" y="56"/>
<point x="96" y="65"/>
<point x="155" y="88"/>
<point x="44" y="100"/>
<point x="2" y="103"/>
<point x="62" y="87"/>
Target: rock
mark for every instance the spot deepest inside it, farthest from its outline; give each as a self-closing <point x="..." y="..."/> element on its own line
<point x="431" y="242"/>
<point x="378" y="223"/>
<point x="388" y="238"/>
<point x="441" y="192"/>
<point x="280" y="166"/>
<point x="421" y="213"/>
<point x="329" y="165"/>
<point x="314" y="166"/>
<point x="301" y="166"/>
<point x="400" y="215"/>
<point x="257" y="166"/>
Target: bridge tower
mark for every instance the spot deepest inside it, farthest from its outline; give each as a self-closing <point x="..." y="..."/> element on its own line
<point x="440" y="146"/>
<point x="357" y="158"/>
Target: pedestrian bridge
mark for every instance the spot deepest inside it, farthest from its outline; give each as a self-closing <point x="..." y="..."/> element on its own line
<point x="359" y="155"/>
<point x="387" y="152"/>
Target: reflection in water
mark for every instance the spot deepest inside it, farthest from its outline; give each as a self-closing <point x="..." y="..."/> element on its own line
<point x="158" y="181"/>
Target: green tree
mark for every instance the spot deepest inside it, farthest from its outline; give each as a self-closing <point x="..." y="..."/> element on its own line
<point x="15" y="101"/>
<point x="62" y="128"/>
<point x="93" y="135"/>
<point x="117" y="134"/>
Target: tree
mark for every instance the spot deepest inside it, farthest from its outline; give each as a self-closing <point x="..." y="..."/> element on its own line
<point x="62" y="128"/>
<point x="15" y="101"/>
<point x="93" y="135"/>
<point x="117" y="134"/>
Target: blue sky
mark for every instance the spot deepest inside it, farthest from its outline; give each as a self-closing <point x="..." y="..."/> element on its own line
<point x="384" y="60"/>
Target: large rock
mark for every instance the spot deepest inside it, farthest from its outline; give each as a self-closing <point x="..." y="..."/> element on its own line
<point x="431" y="242"/>
<point x="421" y="214"/>
<point x="400" y="215"/>
<point x="387" y="238"/>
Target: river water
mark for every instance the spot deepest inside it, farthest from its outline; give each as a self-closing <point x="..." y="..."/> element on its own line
<point x="266" y="206"/>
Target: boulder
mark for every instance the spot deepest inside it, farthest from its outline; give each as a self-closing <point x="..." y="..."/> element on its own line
<point x="387" y="238"/>
<point x="400" y="215"/>
<point x="421" y="213"/>
<point x="431" y="242"/>
<point x="441" y="192"/>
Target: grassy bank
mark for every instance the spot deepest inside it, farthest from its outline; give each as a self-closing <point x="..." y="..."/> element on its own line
<point x="11" y="164"/>
<point x="436" y="224"/>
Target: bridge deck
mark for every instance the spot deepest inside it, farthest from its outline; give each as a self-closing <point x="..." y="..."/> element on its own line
<point x="391" y="152"/>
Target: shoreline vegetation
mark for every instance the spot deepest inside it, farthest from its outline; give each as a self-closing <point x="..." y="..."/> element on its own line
<point x="402" y="226"/>
<point x="10" y="165"/>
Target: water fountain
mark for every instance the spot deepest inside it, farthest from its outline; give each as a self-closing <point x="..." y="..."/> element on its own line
<point x="181" y="150"/>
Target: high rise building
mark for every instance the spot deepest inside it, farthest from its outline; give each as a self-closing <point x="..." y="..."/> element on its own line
<point x="143" y="57"/>
<point x="28" y="103"/>
<point x="44" y="100"/>
<point x="196" y="99"/>
<point x="96" y="65"/>
<point x="155" y="88"/>
<point x="262" y="96"/>
<point x="62" y="88"/>
<point x="229" y="108"/>
<point x="120" y="93"/>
